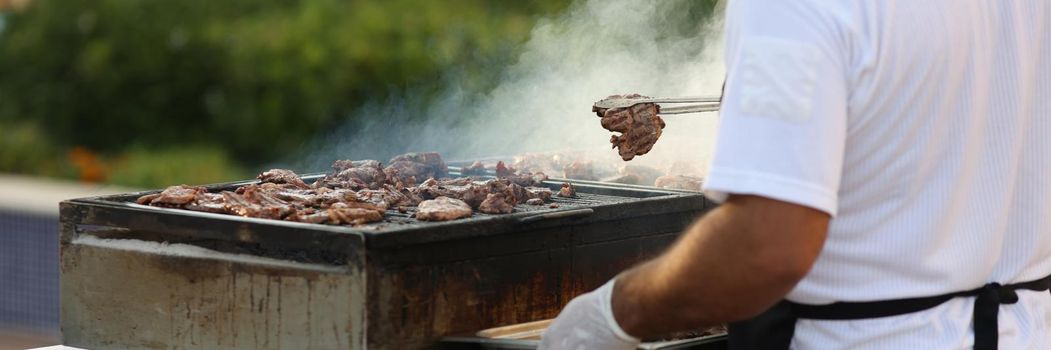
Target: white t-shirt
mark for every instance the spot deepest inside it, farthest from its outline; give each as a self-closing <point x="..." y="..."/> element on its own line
<point x="924" y="128"/>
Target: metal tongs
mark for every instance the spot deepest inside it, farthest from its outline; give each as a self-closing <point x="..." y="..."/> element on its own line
<point x="704" y="104"/>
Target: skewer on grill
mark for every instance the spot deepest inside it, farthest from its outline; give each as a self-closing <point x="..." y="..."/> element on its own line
<point x="703" y="104"/>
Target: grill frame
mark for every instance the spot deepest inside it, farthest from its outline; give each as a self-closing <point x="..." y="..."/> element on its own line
<point x="413" y="283"/>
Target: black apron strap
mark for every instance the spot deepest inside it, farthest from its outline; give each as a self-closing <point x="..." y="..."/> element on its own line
<point x="987" y="309"/>
<point x="774" y="328"/>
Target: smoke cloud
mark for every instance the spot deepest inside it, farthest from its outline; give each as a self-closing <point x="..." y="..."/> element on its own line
<point x="542" y="101"/>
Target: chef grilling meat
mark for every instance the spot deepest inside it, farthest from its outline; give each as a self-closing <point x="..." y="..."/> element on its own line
<point x="884" y="172"/>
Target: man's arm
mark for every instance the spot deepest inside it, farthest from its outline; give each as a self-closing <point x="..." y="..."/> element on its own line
<point x="732" y="264"/>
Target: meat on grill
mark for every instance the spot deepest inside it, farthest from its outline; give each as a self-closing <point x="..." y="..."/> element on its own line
<point x="282" y="176"/>
<point x="412" y="168"/>
<point x="337" y="215"/>
<point x="639" y="126"/>
<point x="442" y="209"/>
<point x="497" y="203"/>
<point x="470" y="192"/>
<point x="354" y="175"/>
<point x="359" y="192"/>
<point x="542" y="193"/>
<point x="525" y="179"/>
<point x="567" y="190"/>
<point x="502" y="170"/>
<point x="209" y="202"/>
<point x="679" y="182"/>
<point x="173" y="196"/>
<point x="476" y="168"/>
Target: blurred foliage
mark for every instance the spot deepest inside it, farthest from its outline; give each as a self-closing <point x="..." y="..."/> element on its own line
<point x="170" y="166"/>
<point x="241" y="79"/>
<point x="24" y="145"/>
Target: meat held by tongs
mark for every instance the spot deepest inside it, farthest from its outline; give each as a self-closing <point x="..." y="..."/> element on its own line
<point x="636" y="118"/>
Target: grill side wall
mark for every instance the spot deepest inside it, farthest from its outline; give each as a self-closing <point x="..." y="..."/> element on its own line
<point x="134" y="294"/>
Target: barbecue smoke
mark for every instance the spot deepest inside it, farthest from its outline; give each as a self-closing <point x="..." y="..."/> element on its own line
<point x="543" y="99"/>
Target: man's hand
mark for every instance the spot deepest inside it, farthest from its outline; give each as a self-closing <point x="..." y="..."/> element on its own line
<point x="732" y="264"/>
<point x="587" y="323"/>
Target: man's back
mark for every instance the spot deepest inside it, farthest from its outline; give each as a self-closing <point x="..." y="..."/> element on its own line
<point x="944" y="183"/>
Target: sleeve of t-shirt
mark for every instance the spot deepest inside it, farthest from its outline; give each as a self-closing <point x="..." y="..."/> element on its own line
<point x="782" y="123"/>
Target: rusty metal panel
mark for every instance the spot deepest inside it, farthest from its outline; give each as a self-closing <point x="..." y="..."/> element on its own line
<point x="414" y="304"/>
<point x="132" y="294"/>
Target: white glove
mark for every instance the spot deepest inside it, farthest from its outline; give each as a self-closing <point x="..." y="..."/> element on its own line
<point x="587" y="323"/>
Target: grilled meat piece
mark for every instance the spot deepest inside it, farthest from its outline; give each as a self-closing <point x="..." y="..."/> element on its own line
<point x="309" y="215"/>
<point x="266" y="205"/>
<point x="405" y="196"/>
<point x="390" y="196"/>
<point x="471" y="193"/>
<point x="442" y="209"/>
<point x="332" y="181"/>
<point x="535" y="201"/>
<point x="639" y="125"/>
<point x="502" y="197"/>
<point x="543" y="193"/>
<point x="378" y="198"/>
<point x="282" y="176"/>
<point x="502" y="170"/>
<point x="413" y="167"/>
<point x="354" y="175"/>
<point x="497" y="203"/>
<point x="147" y="199"/>
<point x="527" y="180"/>
<point x="521" y="194"/>
<point x="567" y="190"/>
<point x="326" y="197"/>
<point x="355" y="213"/>
<point x="476" y="168"/>
<point x="679" y="182"/>
<point x="291" y="193"/>
<point x="337" y="215"/>
<point x="341" y="165"/>
<point x="236" y="204"/>
<point x="173" y="196"/>
<point x="209" y="202"/>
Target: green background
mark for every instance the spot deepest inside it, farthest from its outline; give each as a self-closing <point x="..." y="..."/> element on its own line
<point x="151" y="93"/>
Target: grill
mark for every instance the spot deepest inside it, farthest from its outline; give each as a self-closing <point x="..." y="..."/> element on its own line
<point x="143" y="277"/>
